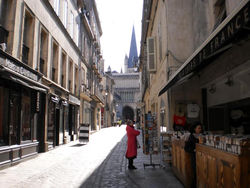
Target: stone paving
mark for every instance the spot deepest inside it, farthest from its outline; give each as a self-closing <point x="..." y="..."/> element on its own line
<point x="100" y="163"/>
<point x="113" y="171"/>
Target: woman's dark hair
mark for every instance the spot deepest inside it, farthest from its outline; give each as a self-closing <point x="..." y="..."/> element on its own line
<point x="193" y="126"/>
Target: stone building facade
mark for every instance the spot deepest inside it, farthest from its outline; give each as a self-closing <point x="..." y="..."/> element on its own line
<point x="51" y="67"/>
<point x="172" y="33"/>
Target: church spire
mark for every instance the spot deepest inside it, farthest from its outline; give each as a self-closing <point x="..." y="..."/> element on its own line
<point x="133" y="56"/>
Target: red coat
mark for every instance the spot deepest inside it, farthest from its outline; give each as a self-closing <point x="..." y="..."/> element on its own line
<point x="132" y="142"/>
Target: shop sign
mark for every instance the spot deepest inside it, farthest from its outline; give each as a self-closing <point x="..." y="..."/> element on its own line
<point x="74" y="100"/>
<point x="19" y="69"/>
<point x="238" y="22"/>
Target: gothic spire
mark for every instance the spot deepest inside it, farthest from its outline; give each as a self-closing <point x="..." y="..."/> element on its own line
<point x="133" y="56"/>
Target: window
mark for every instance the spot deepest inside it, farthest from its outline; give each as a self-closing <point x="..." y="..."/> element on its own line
<point x="71" y="24"/>
<point x="28" y="31"/>
<point x="160" y="41"/>
<point x="70" y="76"/>
<point x="54" y="71"/>
<point x="65" y="18"/>
<point x="77" y="33"/>
<point x="63" y="71"/>
<point x="43" y="52"/>
<point x="57" y="6"/>
<point x="4" y="14"/>
<point x="83" y="76"/>
<point x="26" y="115"/>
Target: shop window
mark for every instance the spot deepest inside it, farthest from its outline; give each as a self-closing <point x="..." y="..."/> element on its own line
<point x="3" y="116"/>
<point x="63" y="71"/>
<point x="27" y="45"/>
<point x="50" y="131"/>
<point x="219" y="12"/>
<point x="43" y="52"/>
<point x="26" y="115"/>
<point x="14" y="121"/>
<point x="54" y="71"/>
<point x="70" y="76"/>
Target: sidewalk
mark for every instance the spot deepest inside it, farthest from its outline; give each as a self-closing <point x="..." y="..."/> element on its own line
<point x="113" y="172"/>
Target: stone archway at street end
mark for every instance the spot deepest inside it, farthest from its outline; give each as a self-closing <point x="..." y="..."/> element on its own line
<point x="128" y="113"/>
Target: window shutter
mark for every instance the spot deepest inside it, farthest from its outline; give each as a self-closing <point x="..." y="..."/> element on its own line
<point x="151" y="53"/>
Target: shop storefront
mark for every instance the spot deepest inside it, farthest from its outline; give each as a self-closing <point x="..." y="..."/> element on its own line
<point x="22" y="104"/>
<point x="212" y="86"/>
<point x="58" y="116"/>
<point x="74" y="117"/>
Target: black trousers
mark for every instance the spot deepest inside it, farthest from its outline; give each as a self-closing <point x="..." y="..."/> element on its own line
<point x="130" y="162"/>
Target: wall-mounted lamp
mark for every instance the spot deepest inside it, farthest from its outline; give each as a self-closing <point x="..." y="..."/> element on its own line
<point x="212" y="89"/>
<point x="229" y="81"/>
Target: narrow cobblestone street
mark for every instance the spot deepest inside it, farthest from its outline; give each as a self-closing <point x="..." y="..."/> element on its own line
<point x="100" y="163"/>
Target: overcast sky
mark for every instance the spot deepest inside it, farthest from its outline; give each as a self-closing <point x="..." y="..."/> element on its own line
<point x="117" y="19"/>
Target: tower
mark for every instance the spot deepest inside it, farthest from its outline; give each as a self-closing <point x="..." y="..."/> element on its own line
<point x="133" y="55"/>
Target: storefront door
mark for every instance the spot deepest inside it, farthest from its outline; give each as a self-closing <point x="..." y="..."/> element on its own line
<point x="57" y="121"/>
<point x="61" y="126"/>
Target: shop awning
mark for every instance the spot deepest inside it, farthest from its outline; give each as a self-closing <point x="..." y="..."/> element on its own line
<point x="27" y="84"/>
<point x="218" y="42"/>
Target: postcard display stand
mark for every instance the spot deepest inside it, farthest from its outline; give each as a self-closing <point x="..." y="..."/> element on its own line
<point x="150" y="139"/>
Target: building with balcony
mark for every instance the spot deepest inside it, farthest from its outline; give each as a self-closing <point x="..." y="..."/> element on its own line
<point x="92" y="98"/>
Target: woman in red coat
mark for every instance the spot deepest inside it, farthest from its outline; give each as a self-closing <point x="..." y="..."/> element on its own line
<point x="131" y="144"/>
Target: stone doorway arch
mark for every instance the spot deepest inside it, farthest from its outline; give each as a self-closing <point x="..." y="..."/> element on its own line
<point x="128" y="113"/>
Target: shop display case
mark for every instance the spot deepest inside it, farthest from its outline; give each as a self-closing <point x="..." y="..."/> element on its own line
<point x="223" y="161"/>
<point x="181" y="162"/>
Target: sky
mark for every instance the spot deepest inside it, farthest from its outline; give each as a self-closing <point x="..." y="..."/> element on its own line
<point x="117" y="19"/>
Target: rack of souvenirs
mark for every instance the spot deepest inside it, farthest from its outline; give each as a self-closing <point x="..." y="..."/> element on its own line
<point x="229" y="143"/>
<point x="150" y="139"/>
<point x="166" y="147"/>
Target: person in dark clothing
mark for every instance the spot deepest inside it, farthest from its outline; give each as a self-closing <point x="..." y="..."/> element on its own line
<point x="195" y="130"/>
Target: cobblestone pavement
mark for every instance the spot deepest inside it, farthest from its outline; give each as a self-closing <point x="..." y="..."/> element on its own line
<point x="113" y="172"/>
<point x="100" y="163"/>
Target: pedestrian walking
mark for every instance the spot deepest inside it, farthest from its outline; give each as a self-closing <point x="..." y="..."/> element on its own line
<point x="131" y="153"/>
